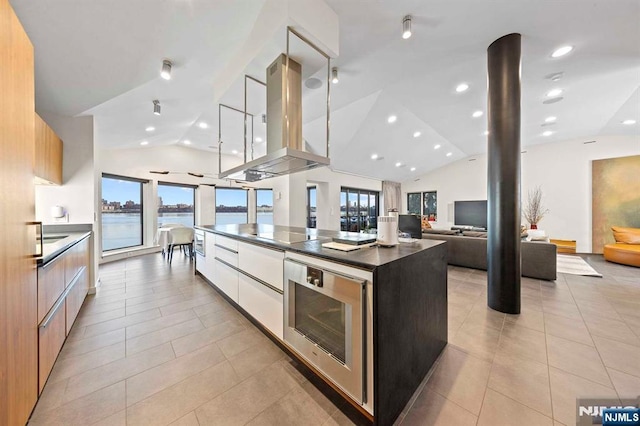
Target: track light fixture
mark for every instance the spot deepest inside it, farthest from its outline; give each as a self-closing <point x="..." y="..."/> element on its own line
<point x="156" y="107"/>
<point x="334" y="75"/>
<point x="406" y="27"/>
<point x="166" y="69"/>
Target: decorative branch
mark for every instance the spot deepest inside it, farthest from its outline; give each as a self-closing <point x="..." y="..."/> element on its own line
<point x="533" y="210"/>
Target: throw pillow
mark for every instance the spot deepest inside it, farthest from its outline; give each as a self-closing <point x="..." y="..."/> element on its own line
<point x="626" y="235"/>
<point x="425" y="222"/>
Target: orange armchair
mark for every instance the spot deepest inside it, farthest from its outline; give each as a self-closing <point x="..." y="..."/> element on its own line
<point x="626" y="249"/>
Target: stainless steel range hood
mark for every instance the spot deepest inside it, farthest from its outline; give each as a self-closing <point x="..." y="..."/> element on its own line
<point x="285" y="144"/>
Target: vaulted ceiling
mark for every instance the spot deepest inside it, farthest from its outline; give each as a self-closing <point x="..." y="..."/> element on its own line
<point x="103" y="59"/>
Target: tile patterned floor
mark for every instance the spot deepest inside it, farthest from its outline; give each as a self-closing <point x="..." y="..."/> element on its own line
<point x="156" y="346"/>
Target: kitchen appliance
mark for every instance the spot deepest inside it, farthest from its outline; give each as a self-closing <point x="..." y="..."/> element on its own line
<point x="387" y="231"/>
<point x="198" y="242"/>
<point x="325" y="323"/>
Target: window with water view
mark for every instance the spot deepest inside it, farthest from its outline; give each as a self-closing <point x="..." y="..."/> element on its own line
<point x="176" y="204"/>
<point x="121" y="212"/>
<point x="264" y="206"/>
<point x="231" y="206"/>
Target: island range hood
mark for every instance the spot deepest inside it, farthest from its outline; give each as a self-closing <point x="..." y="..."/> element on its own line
<point x="285" y="144"/>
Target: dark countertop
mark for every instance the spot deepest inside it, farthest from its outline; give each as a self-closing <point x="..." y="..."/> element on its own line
<point x="366" y="258"/>
<point x="51" y="250"/>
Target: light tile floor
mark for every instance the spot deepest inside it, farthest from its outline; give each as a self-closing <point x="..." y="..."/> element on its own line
<point x="156" y="345"/>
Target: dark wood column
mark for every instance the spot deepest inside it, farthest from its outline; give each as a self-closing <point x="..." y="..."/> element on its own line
<point x="503" y="250"/>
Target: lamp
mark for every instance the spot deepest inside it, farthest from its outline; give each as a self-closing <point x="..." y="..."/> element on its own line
<point x="166" y="69"/>
<point x="406" y="27"/>
<point x="334" y="75"/>
<point x="156" y="107"/>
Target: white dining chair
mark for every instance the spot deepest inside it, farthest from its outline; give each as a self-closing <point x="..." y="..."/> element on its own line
<point x="180" y="236"/>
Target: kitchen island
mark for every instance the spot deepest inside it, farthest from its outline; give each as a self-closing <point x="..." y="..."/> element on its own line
<point x="383" y="321"/>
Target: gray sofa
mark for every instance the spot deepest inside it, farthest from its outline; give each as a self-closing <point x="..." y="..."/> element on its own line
<point x="538" y="258"/>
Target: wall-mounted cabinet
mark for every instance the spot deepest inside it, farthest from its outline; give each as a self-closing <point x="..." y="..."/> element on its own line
<point x="48" y="162"/>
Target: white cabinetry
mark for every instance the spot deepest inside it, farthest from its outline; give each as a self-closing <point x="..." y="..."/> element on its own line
<point x="262" y="303"/>
<point x="206" y="264"/>
<point x="263" y="263"/>
<point x="226" y="279"/>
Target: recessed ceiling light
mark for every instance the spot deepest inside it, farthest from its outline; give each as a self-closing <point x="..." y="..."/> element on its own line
<point x="561" y="51"/>
<point x="477" y="114"/>
<point x="150" y="129"/>
<point x="462" y="87"/>
<point x="144" y="143"/>
<point x="553" y="93"/>
<point x="234" y="152"/>
<point x="486" y="133"/>
<point x="186" y="142"/>
<point x="374" y="156"/>
<point x="629" y="122"/>
<point x="551" y="119"/>
<point x="258" y="139"/>
<point x="547" y="133"/>
<point x="449" y="154"/>
<point x="406" y="27"/>
<point x="413" y="169"/>
<point x="392" y="119"/>
<point x="416" y="134"/>
<point x="203" y="125"/>
<point x="398" y="164"/>
<point x="436" y="146"/>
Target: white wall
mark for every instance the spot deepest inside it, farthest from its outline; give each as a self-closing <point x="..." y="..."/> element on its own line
<point x="563" y="169"/>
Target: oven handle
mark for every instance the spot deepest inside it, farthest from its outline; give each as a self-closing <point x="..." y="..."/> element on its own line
<point x="332" y="272"/>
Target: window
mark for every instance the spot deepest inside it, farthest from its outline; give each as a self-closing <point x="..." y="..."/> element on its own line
<point x="311" y="206"/>
<point x="413" y="203"/>
<point x="358" y="209"/>
<point x="122" y="222"/>
<point x="430" y="205"/>
<point x="264" y="206"/>
<point x="231" y="206"/>
<point x="176" y="204"/>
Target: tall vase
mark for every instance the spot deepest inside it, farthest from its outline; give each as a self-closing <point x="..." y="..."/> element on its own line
<point x="534" y="226"/>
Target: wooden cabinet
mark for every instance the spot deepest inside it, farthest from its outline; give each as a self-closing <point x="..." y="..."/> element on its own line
<point x="48" y="158"/>
<point x="63" y="284"/>
<point x="18" y="297"/>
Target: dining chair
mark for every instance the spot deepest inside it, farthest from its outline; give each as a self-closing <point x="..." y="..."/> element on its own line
<point x="182" y="237"/>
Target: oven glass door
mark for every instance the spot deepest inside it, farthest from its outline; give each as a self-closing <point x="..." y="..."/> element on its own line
<point x="323" y="320"/>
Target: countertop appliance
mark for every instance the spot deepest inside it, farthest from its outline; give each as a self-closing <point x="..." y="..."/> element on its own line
<point x="325" y="323"/>
<point x="388" y="231"/>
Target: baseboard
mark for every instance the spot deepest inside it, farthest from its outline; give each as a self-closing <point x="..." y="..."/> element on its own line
<point x="125" y="254"/>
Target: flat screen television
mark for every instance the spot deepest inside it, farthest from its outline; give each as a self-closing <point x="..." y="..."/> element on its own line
<point x="471" y="213"/>
<point x="410" y="223"/>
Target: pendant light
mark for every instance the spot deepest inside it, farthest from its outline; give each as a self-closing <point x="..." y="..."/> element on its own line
<point x="156" y="107"/>
<point x="406" y="27"/>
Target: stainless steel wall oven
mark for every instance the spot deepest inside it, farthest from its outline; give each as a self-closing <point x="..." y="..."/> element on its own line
<point x="325" y="323"/>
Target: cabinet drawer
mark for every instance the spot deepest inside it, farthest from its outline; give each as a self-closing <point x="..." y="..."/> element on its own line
<point x="226" y="279"/>
<point x="75" y="297"/>
<point x="51" y="284"/>
<point x="263" y="303"/>
<point x="263" y="263"/>
<point x="227" y="243"/>
<point x="51" y="334"/>
<point x="227" y="255"/>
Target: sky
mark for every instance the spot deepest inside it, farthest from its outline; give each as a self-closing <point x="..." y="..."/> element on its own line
<point x="122" y="190"/>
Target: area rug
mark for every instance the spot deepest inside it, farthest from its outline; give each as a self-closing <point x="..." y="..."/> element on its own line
<point x="575" y="265"/>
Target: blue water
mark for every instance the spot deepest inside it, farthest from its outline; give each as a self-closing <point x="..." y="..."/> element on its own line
<point x="120" y="230"/>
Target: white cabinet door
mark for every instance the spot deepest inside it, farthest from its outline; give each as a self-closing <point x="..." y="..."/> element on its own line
<point x="226" y="279"/>
<point x="210" y="255"/>
<point x="262" y="263"/>
<point x="201" y="265"/>
<point x="263" y="303"/>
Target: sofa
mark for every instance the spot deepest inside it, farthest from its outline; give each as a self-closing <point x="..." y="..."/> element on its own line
<point x="626" y="249"/>
<point x="538" y="258"/>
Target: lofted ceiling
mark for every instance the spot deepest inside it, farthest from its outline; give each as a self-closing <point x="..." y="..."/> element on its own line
<point x="103" y="59"/>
